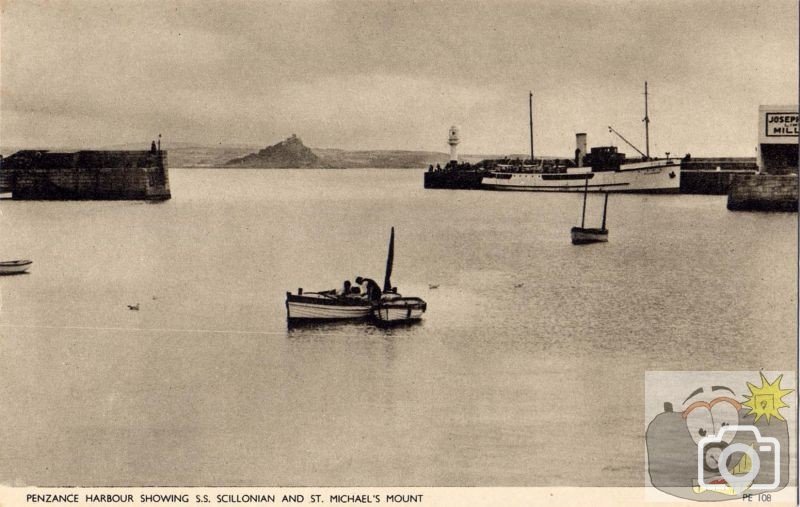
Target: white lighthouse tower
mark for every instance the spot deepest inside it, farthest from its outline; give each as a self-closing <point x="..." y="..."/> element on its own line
<point x="453" y="142"/>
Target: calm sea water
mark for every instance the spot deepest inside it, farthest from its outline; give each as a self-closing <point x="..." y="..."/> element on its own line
<point x="528" y="368"/>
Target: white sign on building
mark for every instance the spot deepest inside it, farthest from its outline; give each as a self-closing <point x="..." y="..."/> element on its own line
<point x="781" y="125"/>
<point x="778" y="139"/>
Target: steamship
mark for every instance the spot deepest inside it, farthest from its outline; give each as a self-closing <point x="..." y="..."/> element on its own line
<point x="606" y="171"/>
<point x="602" y="170"/>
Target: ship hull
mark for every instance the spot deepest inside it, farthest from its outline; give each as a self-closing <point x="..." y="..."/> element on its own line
<point x="314" y="308"/>
<point x="585" y="236"/>
<point x="14" y="267"/>
<point x="655" y="176"/>
<point x="398" y="311"/>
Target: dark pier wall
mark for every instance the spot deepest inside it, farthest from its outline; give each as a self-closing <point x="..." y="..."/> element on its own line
<point x="713" y="176"/>
<point x="708" y="182"/>
<point x="763" y="192"/>
<point x="459" y="179"/>
<point x="720" y="164"/>
<point x="100" y="175"/>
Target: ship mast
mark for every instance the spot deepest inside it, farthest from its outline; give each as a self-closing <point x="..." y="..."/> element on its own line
<point x="646" y="121"/>
<point x="530" y="113"/>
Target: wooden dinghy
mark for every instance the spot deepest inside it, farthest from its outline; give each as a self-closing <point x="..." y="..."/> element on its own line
<point x="14" y="267"/>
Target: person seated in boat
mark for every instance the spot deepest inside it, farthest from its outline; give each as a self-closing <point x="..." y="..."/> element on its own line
<point x="362" y="285"/>
<point x="346" y="288"/>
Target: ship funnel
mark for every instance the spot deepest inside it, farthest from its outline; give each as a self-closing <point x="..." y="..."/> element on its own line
<point x="580" y="148"/>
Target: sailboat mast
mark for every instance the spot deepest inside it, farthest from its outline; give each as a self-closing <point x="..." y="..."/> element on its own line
<point x="530" y="114"/>
<point x="605" y="207"/>
<point x="583" y="213"/>
<point x="387" y="282"/>
<point x="646" y="124"/>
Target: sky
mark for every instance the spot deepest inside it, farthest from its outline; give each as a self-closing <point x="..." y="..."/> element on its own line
<point x="395" y="74"/>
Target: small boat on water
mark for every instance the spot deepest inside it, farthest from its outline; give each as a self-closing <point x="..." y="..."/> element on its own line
<point x="323" y="306"/>
<point x="14" y="267"/>
<point x="396" y="309"/>
<point x="392" y="308"/>
<point x="585" y="235"/>
<point x="356" y="303"/>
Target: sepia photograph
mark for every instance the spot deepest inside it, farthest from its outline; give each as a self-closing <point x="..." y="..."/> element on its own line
<point x="433" y="252"/>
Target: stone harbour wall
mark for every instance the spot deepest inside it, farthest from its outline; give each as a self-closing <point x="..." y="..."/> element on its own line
<point x="763" y="192"/>
<point x="454" y="179"/>
<point x="707" y="182"/>
<point x="100" y="175"/>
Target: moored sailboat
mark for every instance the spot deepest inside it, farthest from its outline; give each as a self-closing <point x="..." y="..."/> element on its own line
<point x="585" y="235"/>
<point x="392" y="308"/>
<point x="384" y="306"/>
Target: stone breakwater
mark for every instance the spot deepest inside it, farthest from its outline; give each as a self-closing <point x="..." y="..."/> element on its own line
<point x="713" y="176"/>
<point x="763" y="192"/>
<point x="96" y="175"/>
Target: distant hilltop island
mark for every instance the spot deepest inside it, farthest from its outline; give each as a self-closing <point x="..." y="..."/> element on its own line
<point x="289" y="153"/>
<point x="292" y="153"/>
